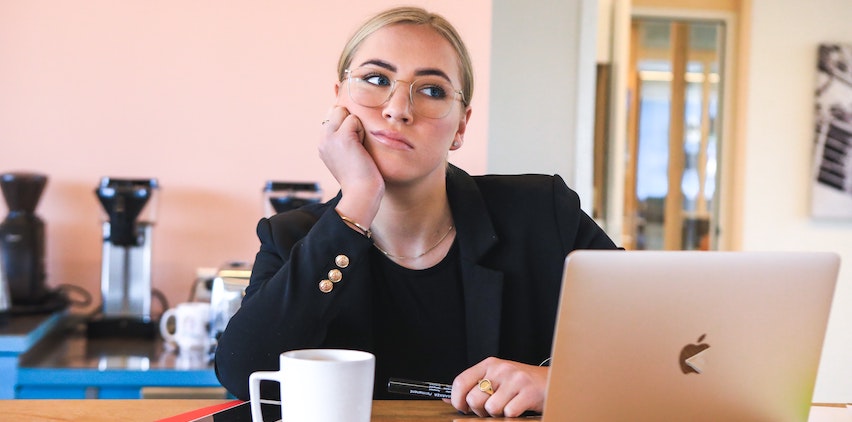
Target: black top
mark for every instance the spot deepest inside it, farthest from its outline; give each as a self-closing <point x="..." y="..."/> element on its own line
<point x="512" y="235"/>
<point x="419" y="322"/>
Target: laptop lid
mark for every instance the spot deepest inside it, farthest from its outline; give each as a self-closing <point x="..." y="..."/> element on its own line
<point x="685" y="335"/>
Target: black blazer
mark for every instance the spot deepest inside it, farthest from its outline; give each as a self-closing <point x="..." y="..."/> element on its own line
<point x="513" y="234"/>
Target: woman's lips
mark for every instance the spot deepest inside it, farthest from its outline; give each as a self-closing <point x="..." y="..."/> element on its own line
<point x="391" y="139"/>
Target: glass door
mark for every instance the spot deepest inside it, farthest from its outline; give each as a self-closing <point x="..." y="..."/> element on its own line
<point x="671" y="200"/>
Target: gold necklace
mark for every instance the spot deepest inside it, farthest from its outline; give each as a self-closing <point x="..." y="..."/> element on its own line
<point x="389" y="255"/>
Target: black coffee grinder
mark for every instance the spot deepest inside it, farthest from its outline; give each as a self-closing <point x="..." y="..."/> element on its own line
<point x="22" y="242"/>
<point x="129" y="207"/>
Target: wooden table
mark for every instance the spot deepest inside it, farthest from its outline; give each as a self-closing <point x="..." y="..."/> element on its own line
<point x="155" y="409"/>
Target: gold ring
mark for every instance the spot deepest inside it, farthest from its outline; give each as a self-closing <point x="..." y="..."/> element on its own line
<point x="485" y="386"/>
<point x="324" y="122"/>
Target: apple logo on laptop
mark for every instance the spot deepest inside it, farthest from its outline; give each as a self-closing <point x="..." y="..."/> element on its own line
<point x="692" y="356"/>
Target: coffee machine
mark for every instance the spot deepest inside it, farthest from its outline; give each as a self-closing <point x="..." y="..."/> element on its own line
<point x="283" y="196"/>
<point x="129" y="207"/>
<point x="22" y="241"/>
<point x="226" y="295"/>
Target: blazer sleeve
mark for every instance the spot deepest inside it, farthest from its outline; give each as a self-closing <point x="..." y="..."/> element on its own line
<point x="284" y="309"/>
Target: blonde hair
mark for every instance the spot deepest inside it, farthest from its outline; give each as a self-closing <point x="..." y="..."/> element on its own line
<point x="411" y="16"/>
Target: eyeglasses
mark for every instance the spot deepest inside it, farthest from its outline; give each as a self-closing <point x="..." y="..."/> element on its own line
<point x="430" y="96"/>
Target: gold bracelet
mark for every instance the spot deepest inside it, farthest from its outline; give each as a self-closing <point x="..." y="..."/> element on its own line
<point x="365" y="231"/>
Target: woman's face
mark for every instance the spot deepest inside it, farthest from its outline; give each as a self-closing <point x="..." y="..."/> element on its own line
<point x="406" y="145"/>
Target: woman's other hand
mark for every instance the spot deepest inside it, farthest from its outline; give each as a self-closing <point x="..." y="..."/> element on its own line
<point x="516" y="387"/>
<point x="342" y="150"/>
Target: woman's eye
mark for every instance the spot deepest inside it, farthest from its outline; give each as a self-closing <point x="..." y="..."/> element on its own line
<point x="433" y="91"/>
<point x="379" y="80"/>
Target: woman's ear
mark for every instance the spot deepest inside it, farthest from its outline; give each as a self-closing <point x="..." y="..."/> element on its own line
<point x="458" y="140"/>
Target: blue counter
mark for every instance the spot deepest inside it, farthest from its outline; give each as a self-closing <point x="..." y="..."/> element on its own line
<point x="18" y="334"/>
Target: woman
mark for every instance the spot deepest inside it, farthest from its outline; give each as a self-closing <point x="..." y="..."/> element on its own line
<point x="443" y="276"/>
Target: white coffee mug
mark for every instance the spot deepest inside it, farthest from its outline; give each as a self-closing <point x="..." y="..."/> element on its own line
<point x="190" y="327"/>
<point x="320" y="385"/>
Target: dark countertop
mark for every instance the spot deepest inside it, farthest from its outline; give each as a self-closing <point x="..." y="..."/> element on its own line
<point x="67" y="364"/>
<point x="68" y="347"/>
<point x="20" y="332"/>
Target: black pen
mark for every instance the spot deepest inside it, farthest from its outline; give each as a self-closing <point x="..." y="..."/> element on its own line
<point x="420" y="388"/>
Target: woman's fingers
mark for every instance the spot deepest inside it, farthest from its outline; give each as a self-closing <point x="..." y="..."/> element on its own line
<point x="497" y="387"/>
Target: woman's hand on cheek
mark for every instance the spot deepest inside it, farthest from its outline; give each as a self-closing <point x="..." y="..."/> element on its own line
<point x="342" y="150"/>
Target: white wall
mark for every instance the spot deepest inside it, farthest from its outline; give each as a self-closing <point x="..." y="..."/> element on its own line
<point x="779" y="135"/>
<point x="542" y="90"/>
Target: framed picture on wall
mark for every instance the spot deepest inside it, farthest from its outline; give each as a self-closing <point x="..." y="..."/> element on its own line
<point x="831" y="194"/>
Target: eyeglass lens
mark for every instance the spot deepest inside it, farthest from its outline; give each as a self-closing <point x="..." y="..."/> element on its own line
<point x="430" y="96"/>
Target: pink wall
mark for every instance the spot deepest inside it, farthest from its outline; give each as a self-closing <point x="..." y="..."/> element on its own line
<point x="211" y="97"/>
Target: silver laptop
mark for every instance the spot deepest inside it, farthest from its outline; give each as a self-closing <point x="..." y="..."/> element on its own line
<point x="689" y="336"/>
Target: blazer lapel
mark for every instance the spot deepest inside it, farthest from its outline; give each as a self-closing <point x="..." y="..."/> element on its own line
<point x="482" y="287"/>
